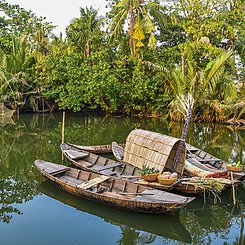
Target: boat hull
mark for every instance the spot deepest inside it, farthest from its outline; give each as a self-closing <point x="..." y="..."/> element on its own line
<point x="118" y="202"/>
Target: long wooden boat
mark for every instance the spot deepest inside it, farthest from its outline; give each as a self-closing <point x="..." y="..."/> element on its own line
<point x="168" y="227"/>
<point x="111" y="191"/>
<point x="118" y="152"/>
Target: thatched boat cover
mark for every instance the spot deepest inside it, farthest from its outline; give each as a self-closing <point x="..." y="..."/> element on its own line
<point x="153" y="150"/>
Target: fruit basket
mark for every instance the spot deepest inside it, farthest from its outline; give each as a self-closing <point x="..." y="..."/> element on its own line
<point x="164" y="181"/>
<point x="234" y="168"/>
<point x="149" y="174"/>
<point x="150" y="177"/>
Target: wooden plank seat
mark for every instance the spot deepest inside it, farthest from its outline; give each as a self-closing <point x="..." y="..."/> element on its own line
<point x="209" y="160"/>
<point x="61" y="171"/>
<point x="206" y="160"/>
<point x="88" y="184"/>
<point x="75" y="155"/>
<point x="55" y="170"/>
<point x="102" y="168"/>
<point x="108" y="172"/>
<point x="71" y="180"/>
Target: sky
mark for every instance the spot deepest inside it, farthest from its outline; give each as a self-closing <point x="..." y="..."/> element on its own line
<point x="59" y="12"/>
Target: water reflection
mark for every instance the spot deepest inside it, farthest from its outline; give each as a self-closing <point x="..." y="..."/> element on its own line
<point x="223" y="141"/>
<point x="4" y="121"/>
<point x="221" y="221"/>
<point x="131" y="224"/>
<point x="39" y="136"/>
<point x="19" y="178"/>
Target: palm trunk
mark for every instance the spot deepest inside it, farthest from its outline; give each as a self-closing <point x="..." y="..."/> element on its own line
<point x="183" y="137"/>
<point x="131" y="30"/>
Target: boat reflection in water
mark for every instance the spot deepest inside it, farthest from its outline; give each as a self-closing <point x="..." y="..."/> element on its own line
<point x="168" y="227"/>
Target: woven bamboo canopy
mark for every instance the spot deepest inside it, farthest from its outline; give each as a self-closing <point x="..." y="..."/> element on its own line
<point x="153" y="150"/>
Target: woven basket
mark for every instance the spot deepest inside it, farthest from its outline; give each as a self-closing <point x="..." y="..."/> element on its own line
<point x="166" y="181"/>
<point x="235" y="169"/>
<point x="150" y="177"/>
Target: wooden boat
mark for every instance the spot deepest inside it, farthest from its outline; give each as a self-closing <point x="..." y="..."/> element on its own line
<point x="5" y="112"/>
<point x="169" y="227"/>
<point x="111" y="191"/>
<point x="99" y="164"/>
<point x="97" y="149"/>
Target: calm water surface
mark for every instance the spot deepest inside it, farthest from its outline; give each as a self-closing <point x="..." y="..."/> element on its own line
<point x="33" y="211"/>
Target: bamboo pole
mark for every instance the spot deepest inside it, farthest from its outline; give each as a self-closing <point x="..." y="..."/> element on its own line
<point x="63" y="133"/>
<point x="233" y="189"/>
<point x="63" y="128"/>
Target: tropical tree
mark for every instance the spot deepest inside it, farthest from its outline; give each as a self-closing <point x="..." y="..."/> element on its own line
<point x="210" y="27"/>
<point x="16" y="71"/>
<point x="140" y="15"/>
<point x="85" y="33"/>
<point x="201" y="84"/>
<point x="17" y="21"/>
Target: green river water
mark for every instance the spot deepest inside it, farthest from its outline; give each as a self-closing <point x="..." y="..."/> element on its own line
<point x="34" y="211"/>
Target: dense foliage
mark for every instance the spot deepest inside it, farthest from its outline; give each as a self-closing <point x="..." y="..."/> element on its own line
<point x="167" y="50"/>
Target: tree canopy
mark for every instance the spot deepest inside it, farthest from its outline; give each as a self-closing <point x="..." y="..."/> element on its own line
<point x="135" y="60"/>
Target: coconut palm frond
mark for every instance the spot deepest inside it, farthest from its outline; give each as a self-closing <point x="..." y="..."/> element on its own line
<point x="147" y="24"/>
<point x="239" y="109"/>
<point x="152" y="41"/>
<point x="123" y="4"/>
<point x="213" y="68"/>
<point x="231" y="91"/>
<point x="157" y="12"/>
<point x="186" y="101"/>
<point x="216" y="78"/>
<point x="116" y="22"/>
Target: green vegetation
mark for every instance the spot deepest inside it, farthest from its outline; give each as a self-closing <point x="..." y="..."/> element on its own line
<point x="166" y="52"/>
<point x="148" y="170"/>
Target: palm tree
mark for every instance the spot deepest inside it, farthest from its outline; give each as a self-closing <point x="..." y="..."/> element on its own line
<point x="139" y="15"/>
<point x="201" y="84"/>
<point x="16" y="70"/>
<point x="191" y="87"/>
<point x="81" y="32"/>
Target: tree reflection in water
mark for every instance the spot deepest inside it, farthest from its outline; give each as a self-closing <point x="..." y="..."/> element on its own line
<point x="19" y="178"/>
<point x="130" y="236"/>
<point x="8" y="196"/>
